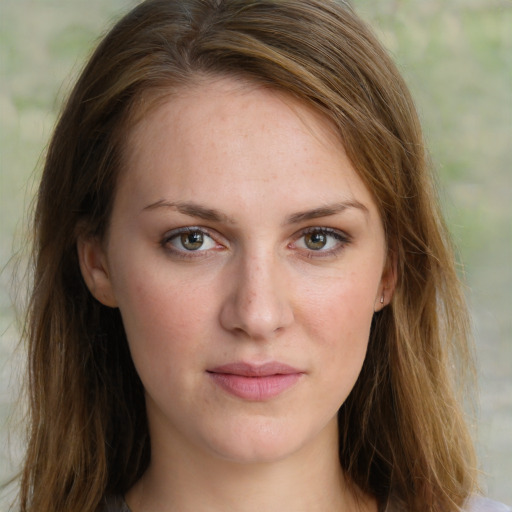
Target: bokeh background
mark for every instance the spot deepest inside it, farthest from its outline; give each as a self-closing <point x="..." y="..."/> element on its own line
<point x="456" y="56"/>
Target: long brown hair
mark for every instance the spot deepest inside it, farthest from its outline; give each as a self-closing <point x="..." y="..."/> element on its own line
<point x="402" y="430"/>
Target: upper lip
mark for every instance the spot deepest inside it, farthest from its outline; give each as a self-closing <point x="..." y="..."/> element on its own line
<point x="255" y="370"/>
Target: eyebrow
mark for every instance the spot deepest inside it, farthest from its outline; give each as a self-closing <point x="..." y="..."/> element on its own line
<point x="326" y="211"/>
<point x="192" y="210"/>
<point x="201" y="212"/>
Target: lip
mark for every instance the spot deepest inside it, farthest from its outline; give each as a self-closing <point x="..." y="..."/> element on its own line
<point x="255" y="382"/>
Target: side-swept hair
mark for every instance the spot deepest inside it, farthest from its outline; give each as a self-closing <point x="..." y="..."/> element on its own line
<point x="402" y="431"/>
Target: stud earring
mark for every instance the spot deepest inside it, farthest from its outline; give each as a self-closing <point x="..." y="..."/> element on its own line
<point x="382" y="299"/>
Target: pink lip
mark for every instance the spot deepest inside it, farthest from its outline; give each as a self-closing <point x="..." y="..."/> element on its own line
<point x="255" y="382"/>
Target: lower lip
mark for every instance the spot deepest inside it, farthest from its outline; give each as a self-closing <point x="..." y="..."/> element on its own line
<point x="257" y="389"/>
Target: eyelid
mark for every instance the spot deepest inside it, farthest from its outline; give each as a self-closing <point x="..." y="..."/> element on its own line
<point x="343" y="239"/>
<point x="326" y="230"/>
<point x="184" y="254"/>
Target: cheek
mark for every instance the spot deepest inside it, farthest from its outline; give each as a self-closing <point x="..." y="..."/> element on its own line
<point x="156" y="297"/>
<point x="163" y="320"/>
<point x="339" y="320"/>
<point x="342" y="308"/>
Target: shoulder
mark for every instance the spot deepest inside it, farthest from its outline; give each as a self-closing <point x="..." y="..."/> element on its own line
<point x="473" y="504"/>
<point x="480" y="504"/>
<point x="113" y="504"/>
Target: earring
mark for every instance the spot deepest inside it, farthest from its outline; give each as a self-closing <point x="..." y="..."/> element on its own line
<point x="382" y="299"/>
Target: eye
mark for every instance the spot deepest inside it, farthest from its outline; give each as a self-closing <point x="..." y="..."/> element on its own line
<point x="322" y="240"/>
<point x="316" y="241"/>
<point x="190" y="239"/>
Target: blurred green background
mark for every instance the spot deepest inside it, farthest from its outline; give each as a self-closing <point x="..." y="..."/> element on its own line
<point x="457" y="58"/>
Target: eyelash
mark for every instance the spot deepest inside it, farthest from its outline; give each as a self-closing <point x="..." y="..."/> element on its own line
<point x="184" y="253"/>
<point x="342" y="240"/>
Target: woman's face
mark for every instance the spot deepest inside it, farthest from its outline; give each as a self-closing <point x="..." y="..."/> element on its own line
<point x="247" y="259"/>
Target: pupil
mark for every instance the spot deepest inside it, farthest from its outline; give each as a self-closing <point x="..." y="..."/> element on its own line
<point x="316" y="241"/>
<point x="192" y="241"/>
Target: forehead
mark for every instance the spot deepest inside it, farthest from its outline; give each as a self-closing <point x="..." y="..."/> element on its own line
<point x="228" y="132"/>
<point x="187" y="99"/>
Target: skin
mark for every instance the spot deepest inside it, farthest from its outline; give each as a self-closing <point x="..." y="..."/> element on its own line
<point x="291" y="268"/>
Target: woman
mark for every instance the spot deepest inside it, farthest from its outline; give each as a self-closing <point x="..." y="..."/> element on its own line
<point x="244" y="296"/>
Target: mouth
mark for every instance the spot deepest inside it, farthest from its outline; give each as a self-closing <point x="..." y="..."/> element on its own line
<point x="255" y="382"/>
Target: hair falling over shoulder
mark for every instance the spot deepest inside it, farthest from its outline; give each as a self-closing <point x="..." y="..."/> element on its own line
<point x="402" y="431"/>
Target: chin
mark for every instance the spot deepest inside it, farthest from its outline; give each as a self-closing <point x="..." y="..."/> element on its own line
<point x="260" y="443"/>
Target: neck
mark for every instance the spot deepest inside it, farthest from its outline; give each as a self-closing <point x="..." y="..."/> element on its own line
<point x="310" y="480"/>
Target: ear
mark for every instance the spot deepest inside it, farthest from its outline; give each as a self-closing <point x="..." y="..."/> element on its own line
<point x="387" y="283"/>
<point x="94" y="268"/>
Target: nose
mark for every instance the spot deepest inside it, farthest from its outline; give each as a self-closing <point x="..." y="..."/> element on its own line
<point x="258" y="304"/>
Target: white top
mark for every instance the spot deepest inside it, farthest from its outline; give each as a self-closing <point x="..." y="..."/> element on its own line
<point x="475" y="504"/>
<point x="479" y="504"/>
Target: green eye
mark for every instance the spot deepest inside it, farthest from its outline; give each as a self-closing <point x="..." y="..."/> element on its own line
<point x="189" y="240"/>
<point x="315" y="241"/>
<point x="321" y="241"/>
<point x="192" y="241"/>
